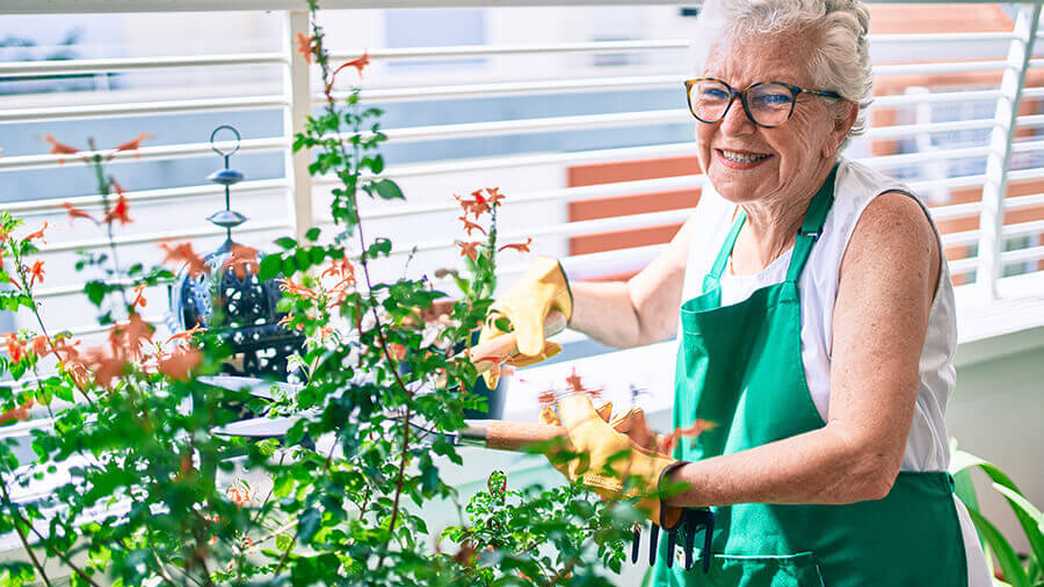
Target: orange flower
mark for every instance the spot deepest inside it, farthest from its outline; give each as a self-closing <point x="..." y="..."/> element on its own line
<point x="180" y="363"/>
<point x="183" y="253"/>
<point x="139" y="297"/>
<point x="185" y="334"/>
<point x="106" y="368"/>
<point x="288" y="286"/>
<point x="493" y="196"/>
<point x="520" y="247"/>
<point x="397" y="351"/>
<point x="241" y="259"/>
<point x="468" y="249"/>
<point x="36" y="272"/>
<point x="133" y="144"/>
<point x="470" y="226"/>
<point x="15" y="347"/>
<point x="40" y="344"/>
<point x="121" y="210"/>
<point x="359" y="63"/>
<point x="238" y="494"/>
<point x="39" y="234"/>
<point x="698" y="427"/>
<point x="304" y="47"/>
<point x="126" y="339"/>
<point x="75" y="212"/>
<point x="59" y="148"/>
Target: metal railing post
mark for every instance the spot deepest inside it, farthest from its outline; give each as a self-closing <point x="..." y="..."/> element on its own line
<point x="297" y="86"/>
<point x="991" y="219"/>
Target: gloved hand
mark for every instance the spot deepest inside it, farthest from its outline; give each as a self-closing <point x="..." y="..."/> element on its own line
<point x="590" y="433"/>
<point x="526" y="305"/>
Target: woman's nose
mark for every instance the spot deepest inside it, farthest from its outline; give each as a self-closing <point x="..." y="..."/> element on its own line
<point x="736" y="121"/>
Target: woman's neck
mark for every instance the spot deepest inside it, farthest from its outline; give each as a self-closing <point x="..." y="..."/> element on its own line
<point x="772" y="224"/>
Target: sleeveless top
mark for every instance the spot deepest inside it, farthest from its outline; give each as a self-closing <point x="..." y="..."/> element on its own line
<point x="927" y="448"/>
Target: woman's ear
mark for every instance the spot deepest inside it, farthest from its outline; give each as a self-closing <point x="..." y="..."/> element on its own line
<point x="846" y="117"/>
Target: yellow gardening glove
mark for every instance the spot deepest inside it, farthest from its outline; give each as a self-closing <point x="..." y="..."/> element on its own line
<point x="590" y="433"/>
<point x="526" y="305"/>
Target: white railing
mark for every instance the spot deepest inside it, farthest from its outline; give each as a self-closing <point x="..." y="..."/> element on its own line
<point x="299" y="199"/>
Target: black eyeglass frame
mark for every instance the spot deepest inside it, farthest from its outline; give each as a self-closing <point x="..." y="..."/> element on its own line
<point x="795" y="91"/>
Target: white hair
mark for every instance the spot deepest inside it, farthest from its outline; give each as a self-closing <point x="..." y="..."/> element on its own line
<point x="837" y="28"/>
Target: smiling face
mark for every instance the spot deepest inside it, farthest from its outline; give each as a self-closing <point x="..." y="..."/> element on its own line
<point x="748" y="163"/>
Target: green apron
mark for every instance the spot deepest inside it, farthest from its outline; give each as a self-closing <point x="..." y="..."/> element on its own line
<point x="740" y="367"/>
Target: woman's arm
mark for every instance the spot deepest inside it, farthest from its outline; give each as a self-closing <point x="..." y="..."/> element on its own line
<point x="641" y="310"/>
<point x="888" y="280"/>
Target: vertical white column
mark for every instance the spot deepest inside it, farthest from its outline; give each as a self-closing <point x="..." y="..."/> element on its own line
<point x="991" y="220"/>
<point x="297" y="89"/>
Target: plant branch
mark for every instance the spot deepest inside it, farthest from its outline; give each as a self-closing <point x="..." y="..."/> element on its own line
<point x="21" y="534"/>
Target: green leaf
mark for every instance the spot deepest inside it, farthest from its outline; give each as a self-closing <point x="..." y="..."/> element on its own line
<point x="1001" y="548"/>
<point x="316" y="254"/>
<point x="312" y="234"/>
<point x="1019" y="501"/>
<point x="302" y="260"/>
<point x="95" y="290"/>
<point x="286" y="242"/>
<point x="388" y="190"/>
<point x="270" y="266"/>
<point x="380" y="246"/>
<point x="960" y="460"/>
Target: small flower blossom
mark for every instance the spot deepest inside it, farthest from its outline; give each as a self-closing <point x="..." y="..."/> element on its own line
<point x="469" y="249"/>
<point x="133" y="144"/>
<point x="15" y="347"/>
<point x="520" y="247"/>
<point x="39" y="234"/>
<point x="40" y="345"/>
<point x="304" y="47"/>
<point x="58" y="148"/>
<point x="179" y="363"/>
<point x="139" y="300"/>
<point x="359" y="63"/>
<point x="493" y="196"/>
<point x="183" y="253"/>
<point x="470" y="226"/>
<point x="36" y="273"/>
<point x="241" y="260"/>
<point x="75" y="213"/>
<point x="120" y="211"/>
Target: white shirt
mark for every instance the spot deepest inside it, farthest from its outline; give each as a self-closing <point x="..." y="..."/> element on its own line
<point x="927" y="448"/>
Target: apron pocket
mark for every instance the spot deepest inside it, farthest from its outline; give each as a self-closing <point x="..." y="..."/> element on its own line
<point x="791" y="570"/>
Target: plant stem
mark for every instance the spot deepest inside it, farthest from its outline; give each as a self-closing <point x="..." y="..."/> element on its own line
<point x="21" y="534"/>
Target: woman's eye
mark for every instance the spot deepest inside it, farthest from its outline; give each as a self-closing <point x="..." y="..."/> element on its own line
<point x="714" y="94"/>
<point x="772" y="100"/>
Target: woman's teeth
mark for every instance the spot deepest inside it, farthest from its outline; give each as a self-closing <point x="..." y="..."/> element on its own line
<point x="742" y="157"/>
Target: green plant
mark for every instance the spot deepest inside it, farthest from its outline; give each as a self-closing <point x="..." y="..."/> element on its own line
<point x="1017" y="573"/>
<point x="154" y="494"/>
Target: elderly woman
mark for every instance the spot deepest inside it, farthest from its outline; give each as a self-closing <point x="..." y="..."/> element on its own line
<point x="817" y="328"/>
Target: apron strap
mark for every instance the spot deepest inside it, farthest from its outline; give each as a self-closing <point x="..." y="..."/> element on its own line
<point x="714" y="276"/>
<point x="812" y="226"/>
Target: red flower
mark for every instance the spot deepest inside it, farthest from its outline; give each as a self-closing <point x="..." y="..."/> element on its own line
<point x="39" y="234"/>
<point x="180" y="363"/>
<point x="288" y="286"/>
<point x="184" y="334"/>
<point x="105" y="368"/>
<point x="126" y="339"/>
<point x="15" y="347"/>
<point x="36" y="272"/>
<point x="493" y="196"/>
<point x="520" y="247"/>
<point x="359" y="63"/>
<point x="304" y="47"/>
<point x="139" y="297"/>
<point x="133" y="144"/>
<point x="121" y="210"/>
<point x="183" y="253"/>
<point x="241" y="260"/>
<point x="470" y="226"/>
<point x="40" y="344"/>
<point x="469" y="249"/>
<point x="59" y="148"/>
<point x="75" y="212"/>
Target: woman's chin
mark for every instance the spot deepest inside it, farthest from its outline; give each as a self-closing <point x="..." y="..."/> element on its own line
<point x="742" y="186"/>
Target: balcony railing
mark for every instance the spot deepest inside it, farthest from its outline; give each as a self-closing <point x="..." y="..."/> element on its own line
<point x="990" y="207"/>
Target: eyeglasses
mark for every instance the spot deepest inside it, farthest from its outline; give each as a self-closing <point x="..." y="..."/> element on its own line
<point x="767" y="104"/>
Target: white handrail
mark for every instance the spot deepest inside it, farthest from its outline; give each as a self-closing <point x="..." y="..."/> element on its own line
<point x="35" y="68"/>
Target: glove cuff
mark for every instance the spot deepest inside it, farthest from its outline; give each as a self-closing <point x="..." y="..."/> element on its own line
<point x="670" y="516"/>
<point x="568" y="288"/>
